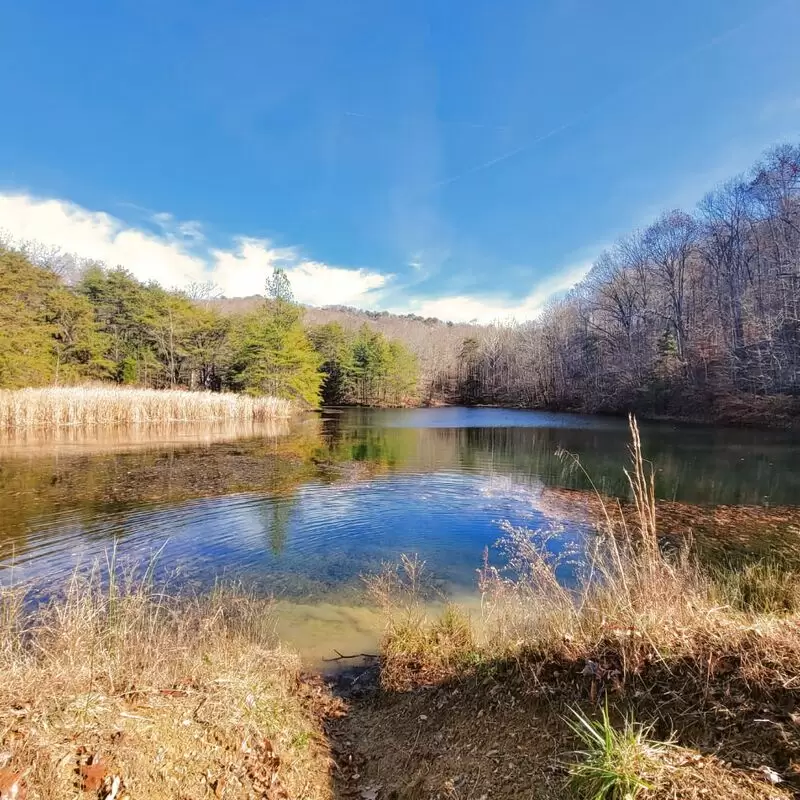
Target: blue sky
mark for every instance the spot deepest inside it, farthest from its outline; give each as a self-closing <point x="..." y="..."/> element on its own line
<point x="464" y="159"/>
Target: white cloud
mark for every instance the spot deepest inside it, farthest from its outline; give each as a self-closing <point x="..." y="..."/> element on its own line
<point x="175" y="258"/>
<point x="241" y="272"/>
<point x="178" y="254"/>
<point x="99" y="236"/>
<point x="463" y="308"/>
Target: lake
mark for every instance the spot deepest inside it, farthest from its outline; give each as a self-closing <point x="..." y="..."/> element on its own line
<point x="303" y="510"/>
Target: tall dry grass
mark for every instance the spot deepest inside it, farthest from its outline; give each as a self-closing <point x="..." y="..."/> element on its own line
<point x="86" y="406"/>
<point x="121" y="691"/>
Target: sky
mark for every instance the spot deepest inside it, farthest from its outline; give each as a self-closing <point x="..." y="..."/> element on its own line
<point x="466" y="160"/>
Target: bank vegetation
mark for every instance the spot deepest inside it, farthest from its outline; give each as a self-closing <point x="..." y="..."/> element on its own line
<point x="114" y="689"/>
<point x="667" y="677"/>
<point x="83" y="406"/>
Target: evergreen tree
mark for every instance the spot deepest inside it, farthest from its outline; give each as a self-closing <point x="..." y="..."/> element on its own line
<point x="335" y="347"/>
<point x="26" y="337"/>
<point x="47" y="334"/>
<point x="274" y="355"/>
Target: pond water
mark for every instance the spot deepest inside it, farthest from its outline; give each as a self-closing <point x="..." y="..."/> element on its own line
<point x="303" y="510"/>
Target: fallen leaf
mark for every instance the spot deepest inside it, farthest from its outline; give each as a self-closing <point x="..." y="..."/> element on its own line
<point x="12" y="785"/>
<point x="92" y="775"/>
<point x="371" y="792"/>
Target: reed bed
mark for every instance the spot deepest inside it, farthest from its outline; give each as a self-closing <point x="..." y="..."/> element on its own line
<point x="59" y="407"/>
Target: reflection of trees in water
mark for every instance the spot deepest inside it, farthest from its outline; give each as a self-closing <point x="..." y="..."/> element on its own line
<point x="701" y="465"/>
<point x="694" y="464"/>
<point x="276" y="515"/>
<point x="92" y="485"/>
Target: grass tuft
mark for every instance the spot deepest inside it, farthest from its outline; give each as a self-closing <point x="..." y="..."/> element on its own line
<point x="614" y="764"/>
<point x="766" y="586"/>
<point x="421" y="633"/>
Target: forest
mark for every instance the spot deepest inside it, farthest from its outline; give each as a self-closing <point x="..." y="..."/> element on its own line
<point x="108" y="326"/>
<point x="695" y="316"/>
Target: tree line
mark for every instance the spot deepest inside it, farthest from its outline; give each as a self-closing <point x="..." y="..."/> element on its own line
<point x="108" y="326"/>
<point x="696" y="315"/>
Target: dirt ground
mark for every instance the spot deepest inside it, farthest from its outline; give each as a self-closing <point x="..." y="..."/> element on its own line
<point x="471" y="741"/>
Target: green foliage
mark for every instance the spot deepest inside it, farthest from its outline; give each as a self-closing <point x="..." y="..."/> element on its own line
<point x="26" y="339"/>
<point x="364" y="367"/>
<point x="112" y="326"/>
<point x="79" y="346"/>
<point x="334" y="345"/>
<point x="273" y="355"/>
<point x="47" y="334"/>
<point x="614" y="764"/>
<point x="155" y="337"/>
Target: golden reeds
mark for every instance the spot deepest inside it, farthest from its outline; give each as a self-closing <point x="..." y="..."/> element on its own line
<point x="57" y="407"/>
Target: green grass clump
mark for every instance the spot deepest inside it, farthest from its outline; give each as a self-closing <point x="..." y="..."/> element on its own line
<point x="614" y="764"/>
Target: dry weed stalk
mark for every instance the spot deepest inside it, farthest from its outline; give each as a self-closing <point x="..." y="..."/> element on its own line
<point x="629" y="606"/>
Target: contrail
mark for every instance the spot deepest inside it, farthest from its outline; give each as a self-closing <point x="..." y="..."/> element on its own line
<point x="691" y="53"/>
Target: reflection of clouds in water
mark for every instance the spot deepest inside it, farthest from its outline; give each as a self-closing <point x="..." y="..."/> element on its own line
<point x="529" y="495"/>
<point x="323" y="534"/>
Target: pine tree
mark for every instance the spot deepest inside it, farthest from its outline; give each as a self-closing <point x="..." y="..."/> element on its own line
<point x="274" y="355"/>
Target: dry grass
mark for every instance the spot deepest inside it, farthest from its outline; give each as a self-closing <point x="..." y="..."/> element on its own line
<point x="436" y="638"/>
<point x="122" y="692"/>
<point x="632" y="600"/>
<point x="637" y="605"/>
<point x="85" y="406"/>
<point x="634" y="603"/>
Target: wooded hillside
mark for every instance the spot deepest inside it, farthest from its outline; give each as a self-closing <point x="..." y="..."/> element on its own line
<point x="108" y="326"/>
<point x="696" y="316"/>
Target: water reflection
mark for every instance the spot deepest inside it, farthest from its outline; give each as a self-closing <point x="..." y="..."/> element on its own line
<point x="303" y="511"/>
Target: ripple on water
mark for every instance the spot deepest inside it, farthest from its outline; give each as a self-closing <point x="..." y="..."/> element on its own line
<point x="304" y="515"/>
<point x="323" y="535"/>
